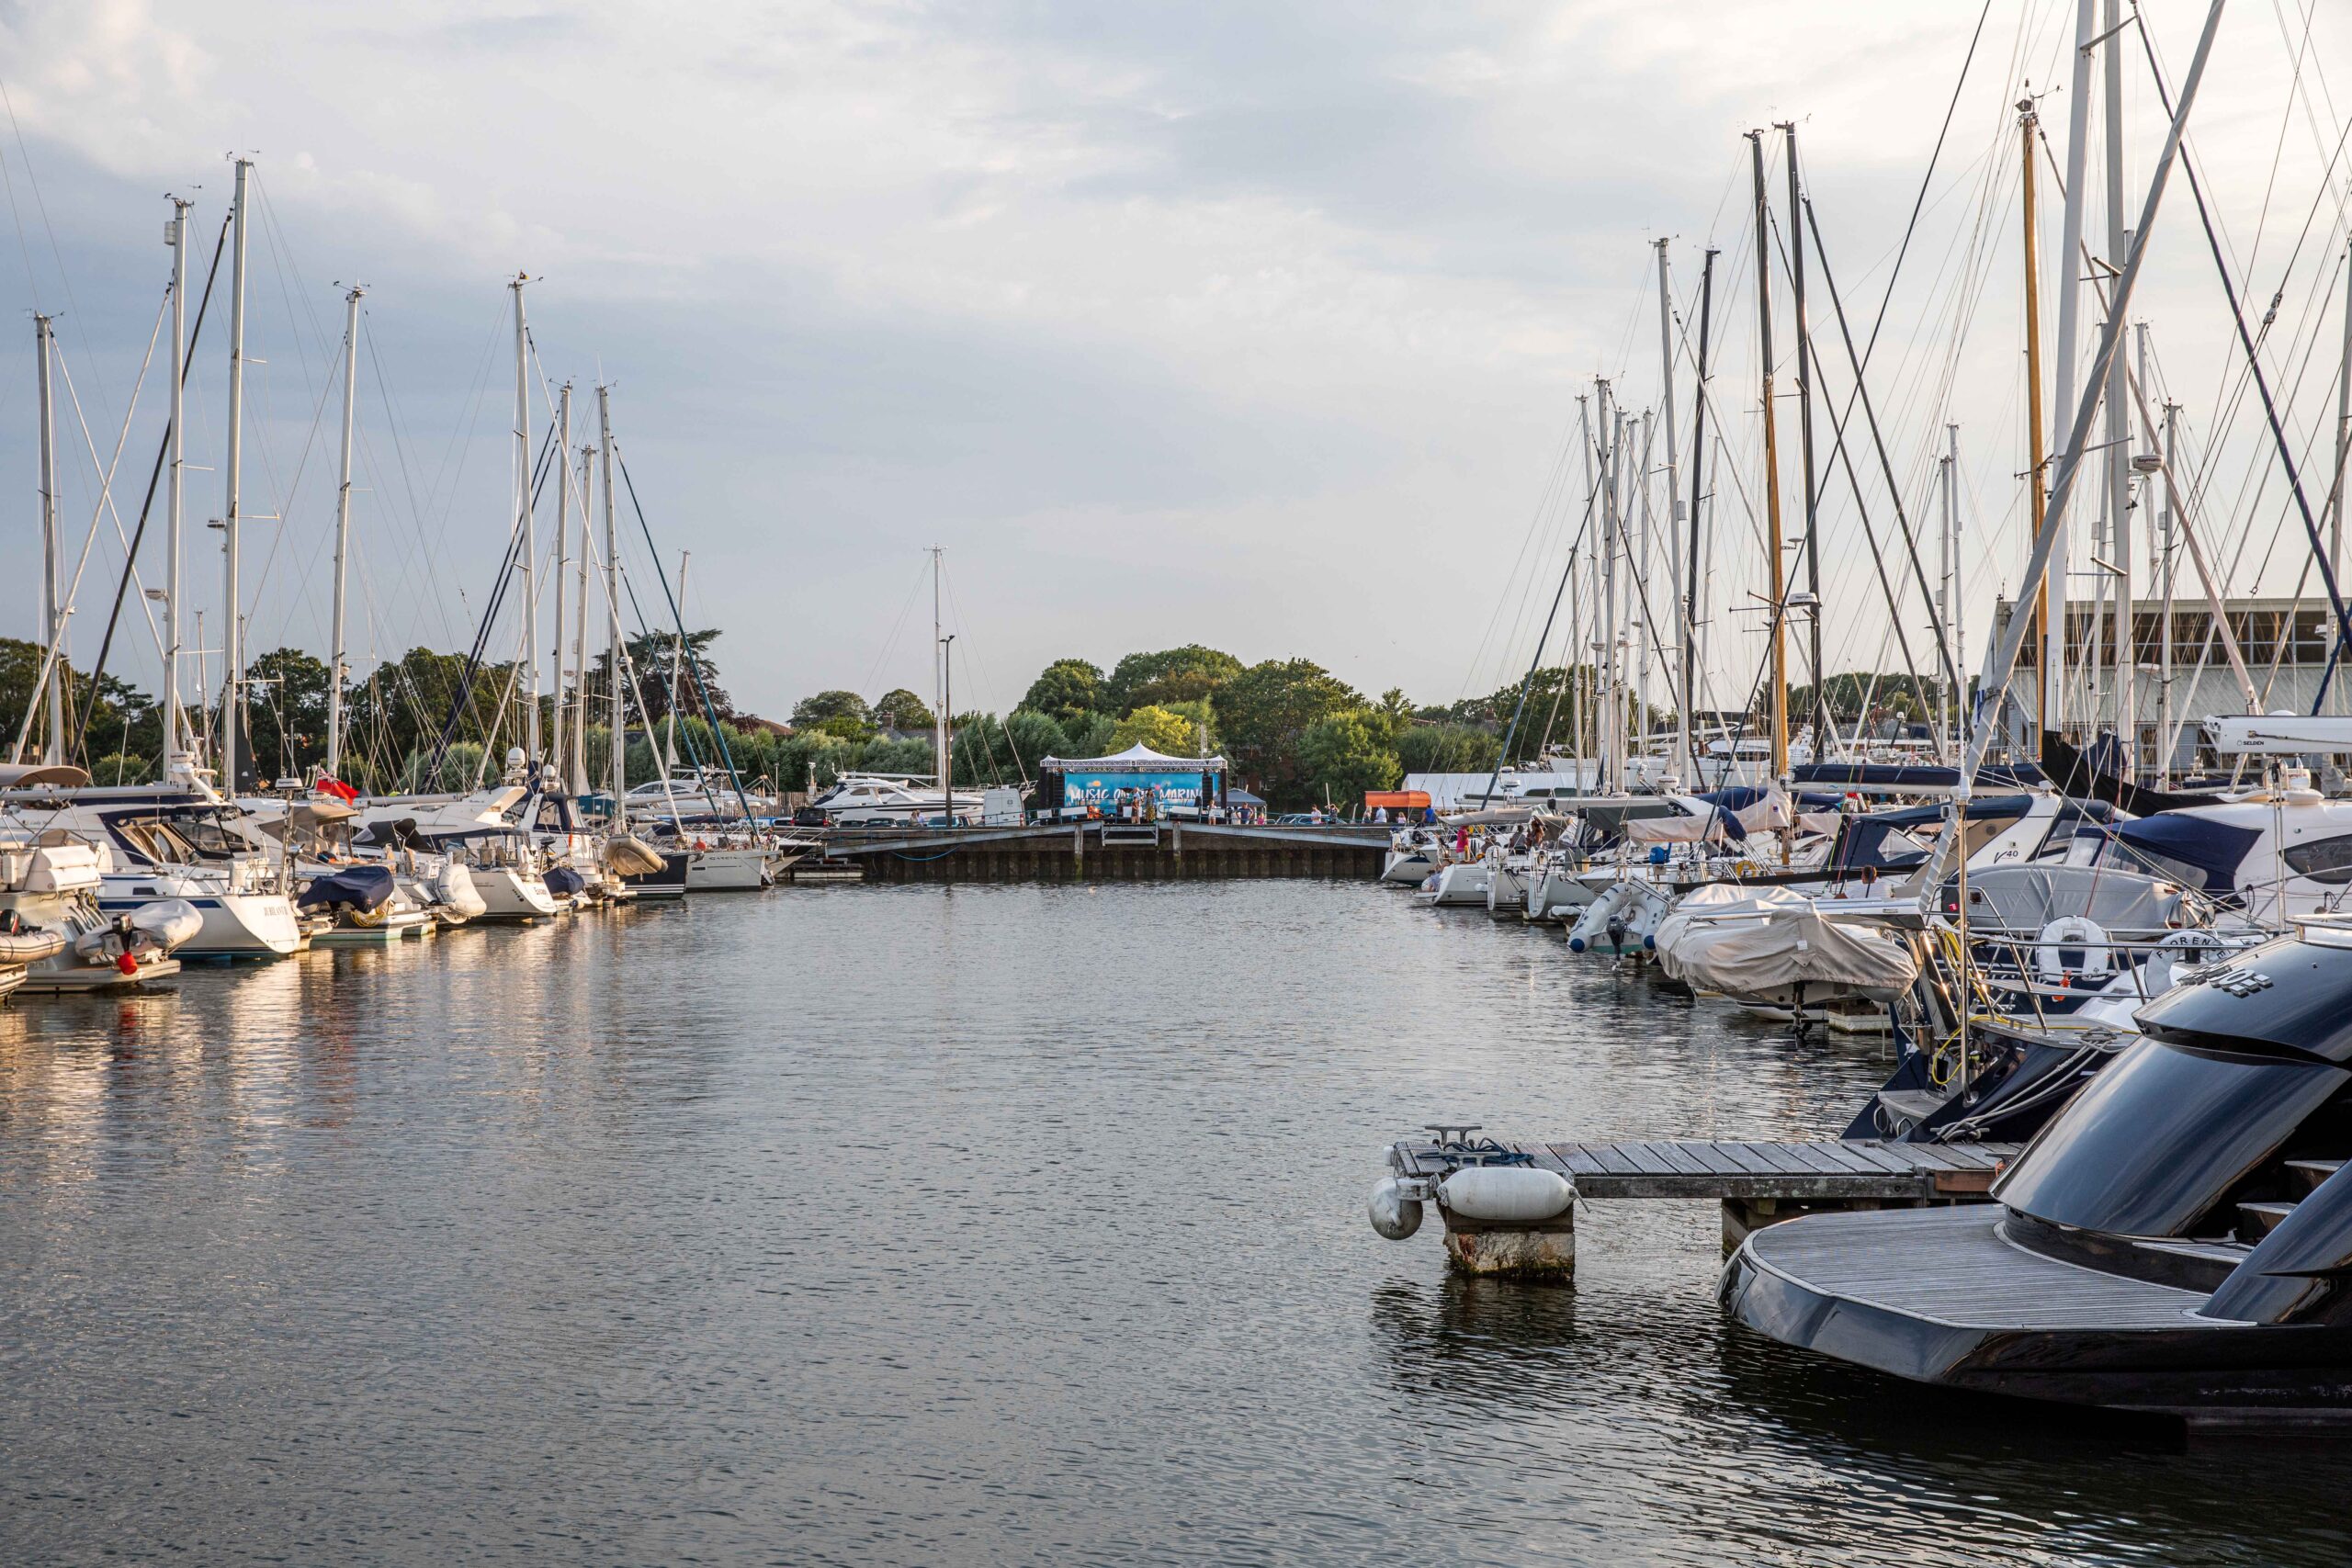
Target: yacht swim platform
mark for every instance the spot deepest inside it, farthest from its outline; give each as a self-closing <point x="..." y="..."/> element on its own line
<point x="1757" y="1183"/>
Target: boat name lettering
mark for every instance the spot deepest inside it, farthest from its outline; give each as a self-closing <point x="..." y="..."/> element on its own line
<point x="2239" y="981"/>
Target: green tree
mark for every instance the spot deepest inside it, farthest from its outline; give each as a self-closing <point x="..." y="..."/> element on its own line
<point x="650" y="657"/>
<point x="1185" y="674"/>
<point x="1344" y="755"/>
<point x="1890" y="694"/>
<point x="1157" y="728"/>
<point x="285" y="713"/>
<point x="812" y="713"/>
<point x="403" y="705"/>
<point x="992" y="751"/>
<point x="1088" y="735"/>
<point x="122" y="725"/>
<point x="1263" y="711"/>
<point x="1034" y="736"/>
<point x="984" y="749"/>
<point x="893" y="757"/>
<point x="1067" y="688"/>
<point x="1446" y="748"/>
<point x="900" y="710"/>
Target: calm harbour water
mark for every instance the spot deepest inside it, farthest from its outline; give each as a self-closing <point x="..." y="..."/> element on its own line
<point x="972" y="1224"/>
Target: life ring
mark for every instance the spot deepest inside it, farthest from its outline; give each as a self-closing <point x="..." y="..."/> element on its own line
<point x="2077" y="932"/>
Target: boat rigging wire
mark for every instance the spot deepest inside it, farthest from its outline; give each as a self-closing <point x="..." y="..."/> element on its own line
<point x="2262" y="386"/>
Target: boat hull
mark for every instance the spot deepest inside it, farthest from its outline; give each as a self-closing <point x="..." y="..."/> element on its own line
<point x="508" y="893"/>
<point x="73" y="977"/>
<point x="1462" y="885"/>
<point x="670" y="881"/>
<point x="1407" y="870"/>
<point x="730" y="869"/>
<point x="1507" y="893"/>
<point x="236" y="925"/>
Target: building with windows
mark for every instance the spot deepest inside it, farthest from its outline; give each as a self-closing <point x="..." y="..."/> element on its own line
<point x="2285" y="643"/>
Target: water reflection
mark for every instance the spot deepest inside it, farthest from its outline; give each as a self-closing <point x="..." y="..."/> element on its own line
<point x="920" y="1225"/>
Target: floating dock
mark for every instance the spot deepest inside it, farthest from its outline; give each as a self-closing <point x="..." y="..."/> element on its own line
<point x="1758" y="1183"/>
<point x="1104" y="852"/>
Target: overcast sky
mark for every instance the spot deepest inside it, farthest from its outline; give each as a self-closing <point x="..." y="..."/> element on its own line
<point x="1255" y="325"/>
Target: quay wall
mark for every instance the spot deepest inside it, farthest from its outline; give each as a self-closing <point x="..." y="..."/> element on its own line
<point x="1072" y="854"/>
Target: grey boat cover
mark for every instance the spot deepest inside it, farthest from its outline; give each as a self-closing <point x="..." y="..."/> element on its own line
<point x="628" y="855"/>
<point x="2023" y="899"/>
<point x="1762" y="943"/>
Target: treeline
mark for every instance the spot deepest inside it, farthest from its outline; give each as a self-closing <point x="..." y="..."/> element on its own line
<point x="1292" y="730"/>
<point x="419" y="722"/>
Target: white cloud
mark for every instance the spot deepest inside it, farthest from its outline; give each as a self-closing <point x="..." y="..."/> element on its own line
<point x="1316" y="284"/>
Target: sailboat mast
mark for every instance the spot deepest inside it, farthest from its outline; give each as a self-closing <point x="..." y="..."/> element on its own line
<point x="1673" y="505"/>
<point x="677" y="658"/>
<point x="2118" y="419"/>
<point x="939" y="762"/>
<point x="2045" y="708"/>
<point x="1780" y="695"/>
<point x="53" y="562"/>
<point x="2066" y="350"/>
<point x="232" y="652"/>
<point x="576" y="780"/>
<point x="1613" y="433"/>
<point x="1647" y="645"/>
<point x="1944" y="489"/>
<point x="563" y="563"/>
<point x="523" y="520"/>
<point x="2164" y="717"/>
<point x="616" y="761"/>
<point x="1823" y="727"/>
<point x="2343" y="437"/>
<point x="171" y="761"/>
<point x="1954" y="626"/>
<point x="1691" y="645"/>
<point x="1583" y="717"/>
<point x="947" y="722"/>
<point x="338" y="661"/>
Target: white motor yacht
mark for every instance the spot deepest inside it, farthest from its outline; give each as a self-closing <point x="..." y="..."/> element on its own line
<point x="177" y="841"/>
<point x="890" y="800"/>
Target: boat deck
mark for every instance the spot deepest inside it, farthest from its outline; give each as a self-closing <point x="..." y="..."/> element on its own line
<point x="1953" y="1268"/>
<point x="1830" y="1171"/>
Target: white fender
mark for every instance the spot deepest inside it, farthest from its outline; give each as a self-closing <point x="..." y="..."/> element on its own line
<point x="1507" y="1194"/>
<point x="1394" y="1215"/>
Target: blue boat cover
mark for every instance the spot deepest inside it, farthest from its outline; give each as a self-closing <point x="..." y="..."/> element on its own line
<point x="362" y="887"/>
<point x="1900" y="777"/>
<point x="563" y="881"/>
<point x="1739" y="798"/>
<point x="2212" y="850"/>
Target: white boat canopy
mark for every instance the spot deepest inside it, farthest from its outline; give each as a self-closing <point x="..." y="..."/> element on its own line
<point x="1135" y="759"/>
<point x="35" y="776"/>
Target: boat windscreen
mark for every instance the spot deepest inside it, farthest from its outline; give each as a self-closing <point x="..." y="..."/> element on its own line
<point x="2155" y="1141"/>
